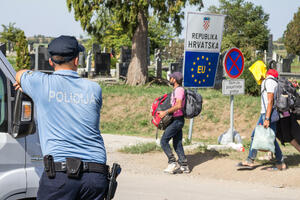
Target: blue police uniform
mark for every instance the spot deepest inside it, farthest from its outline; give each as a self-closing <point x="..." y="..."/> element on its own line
<point x="68" y="116"/>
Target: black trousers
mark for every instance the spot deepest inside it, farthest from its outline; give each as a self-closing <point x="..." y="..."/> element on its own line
<point x="174" y="131"/>
<point x="91" y="186"/>
<point x="288" y="129"/>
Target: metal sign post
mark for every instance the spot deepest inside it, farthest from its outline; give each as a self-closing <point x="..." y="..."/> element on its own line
<point x="234" y="66"/>
<point x="202" y="46"/>
<point x="191" y="129"/>
<point x="231" y="135"/>
<point x="231" y="117"/>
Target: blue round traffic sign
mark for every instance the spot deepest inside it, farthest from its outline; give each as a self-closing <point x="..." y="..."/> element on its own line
<point x="234" y="63"/>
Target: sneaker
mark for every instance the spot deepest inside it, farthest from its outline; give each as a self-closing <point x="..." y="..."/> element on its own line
<point x="185" y="169"/>
<point x="182" y="169"/>
<point x="171" y="168"/>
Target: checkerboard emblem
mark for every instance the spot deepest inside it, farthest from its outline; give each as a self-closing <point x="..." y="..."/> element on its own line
<point x="206" y="23"/>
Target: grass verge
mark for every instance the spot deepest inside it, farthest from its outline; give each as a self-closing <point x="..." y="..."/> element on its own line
<point x="141" y="148"/>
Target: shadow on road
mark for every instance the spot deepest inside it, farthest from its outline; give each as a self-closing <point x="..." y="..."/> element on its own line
<point x="248" y="168"/>
<point x="202" y="157"/>
<point x="292" y="160"/>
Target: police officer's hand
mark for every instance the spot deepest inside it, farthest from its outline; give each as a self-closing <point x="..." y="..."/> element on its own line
<point x="18" y="86"/>
<point x="266" y="123"/>
<point x="162" y="114"/>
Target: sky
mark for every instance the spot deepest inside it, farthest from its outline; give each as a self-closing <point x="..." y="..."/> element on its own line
<point x="52" y="18"/>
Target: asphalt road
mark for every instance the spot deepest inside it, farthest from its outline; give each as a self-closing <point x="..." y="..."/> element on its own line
<point x="142" y="178"/>
<point x="182" y="187"/>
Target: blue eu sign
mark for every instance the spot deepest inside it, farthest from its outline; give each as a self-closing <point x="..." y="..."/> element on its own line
<point x="200" y="69"/>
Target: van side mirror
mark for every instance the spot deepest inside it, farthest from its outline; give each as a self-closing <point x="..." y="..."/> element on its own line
<point x="23" y="118"/>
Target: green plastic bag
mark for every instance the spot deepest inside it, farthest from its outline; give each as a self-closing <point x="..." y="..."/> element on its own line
<point x="263" y="139"/>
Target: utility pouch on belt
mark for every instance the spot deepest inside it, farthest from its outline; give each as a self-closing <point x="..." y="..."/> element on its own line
<point x="115" y="171"/>
<point x="74" y="166"/>
<point x="49" y="166"/>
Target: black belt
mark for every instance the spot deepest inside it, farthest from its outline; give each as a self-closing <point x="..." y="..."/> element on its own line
<point x="86" y="167"/>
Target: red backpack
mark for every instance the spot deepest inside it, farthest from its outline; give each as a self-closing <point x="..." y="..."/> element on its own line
<point x="161" y="104"/>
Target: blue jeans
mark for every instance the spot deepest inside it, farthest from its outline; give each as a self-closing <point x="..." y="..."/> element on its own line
<point x="253" y="152"/>
<point x="89" y="186"/>
<point x="174" y="130"/>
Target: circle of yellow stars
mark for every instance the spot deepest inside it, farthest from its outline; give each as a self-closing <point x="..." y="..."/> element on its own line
<point x="192" y="69"/>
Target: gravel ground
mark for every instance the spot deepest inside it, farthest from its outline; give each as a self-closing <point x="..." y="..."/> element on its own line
<point x="142" y="177"/>
<point x="115" y="142"/>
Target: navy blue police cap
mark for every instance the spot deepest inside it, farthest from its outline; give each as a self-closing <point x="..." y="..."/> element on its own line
<point x="66" y="47"/>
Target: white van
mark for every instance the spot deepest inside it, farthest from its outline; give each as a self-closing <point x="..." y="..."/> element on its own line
<point x="21" y="160"/>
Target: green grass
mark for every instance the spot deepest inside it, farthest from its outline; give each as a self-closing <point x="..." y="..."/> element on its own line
<point x="141" y="148"/>
<point x="136" y="91"/>
<point x="186" y="142"/>
<point x="295" y="67"/>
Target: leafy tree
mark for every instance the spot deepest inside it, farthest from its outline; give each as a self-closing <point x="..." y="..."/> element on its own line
<point x="245" y="26"/>
<point x="280" y="40"/>
<point x="133" y="17"/>
<point x="23" y="59"/>
<point x="159" y="34"/>
<point x="292" y="35"/>
<point x="9" y="33"/>
<point x="174" y="51"/>
<point x="17" y="37"/>
<point x="114" y="36"/>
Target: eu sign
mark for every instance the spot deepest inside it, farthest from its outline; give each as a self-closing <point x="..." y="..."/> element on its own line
<point x="200" y="69"/>
<point x="202" y="49"/>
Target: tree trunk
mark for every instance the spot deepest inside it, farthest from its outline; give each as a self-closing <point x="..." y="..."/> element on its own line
<point x="138" y="70"/>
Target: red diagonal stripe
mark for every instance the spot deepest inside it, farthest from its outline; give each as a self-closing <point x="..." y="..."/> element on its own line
<point x="234" y="63"/>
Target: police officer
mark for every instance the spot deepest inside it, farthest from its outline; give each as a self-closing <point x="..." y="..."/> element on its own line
<point x="68" y="117"/>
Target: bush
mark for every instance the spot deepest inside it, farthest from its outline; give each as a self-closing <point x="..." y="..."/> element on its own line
<point x="23" y="58"/>
<point x="251" y="86"/>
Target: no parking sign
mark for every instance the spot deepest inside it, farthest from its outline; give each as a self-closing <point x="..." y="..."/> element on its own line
<point x="234" y="63"/>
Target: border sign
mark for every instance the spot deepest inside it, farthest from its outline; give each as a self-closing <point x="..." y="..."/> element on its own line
<point x="234" y="63"/>
<point x="202" y="49"/>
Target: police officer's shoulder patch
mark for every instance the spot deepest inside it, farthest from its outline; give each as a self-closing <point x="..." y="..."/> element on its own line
<point x="29" y="72"/>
